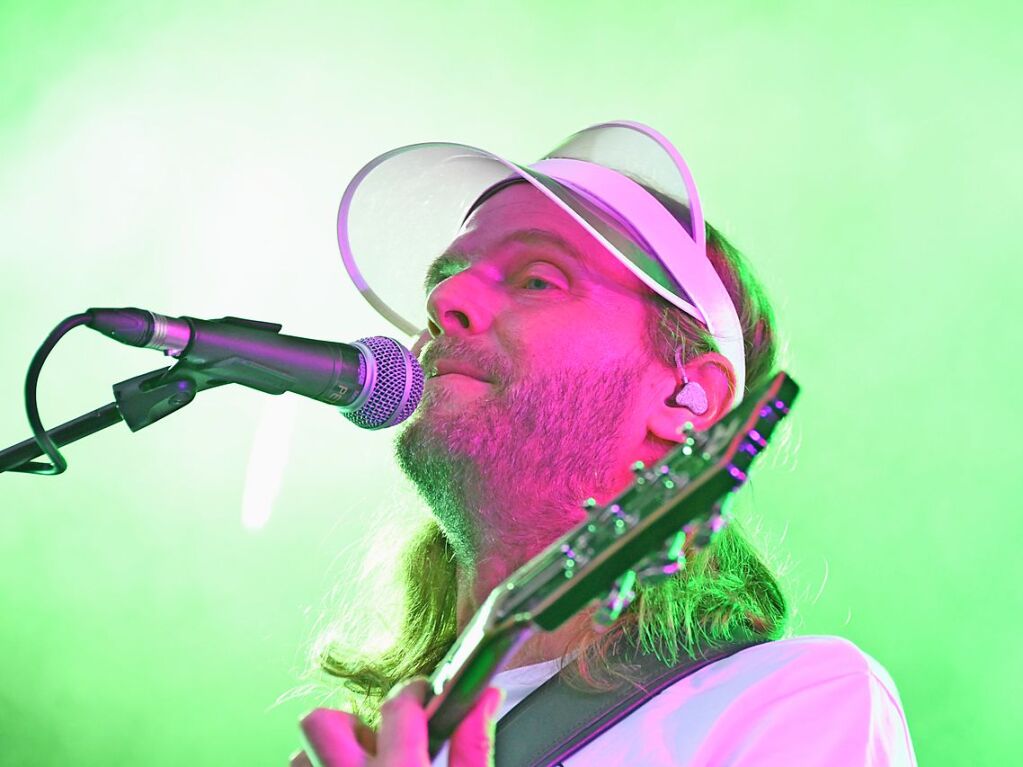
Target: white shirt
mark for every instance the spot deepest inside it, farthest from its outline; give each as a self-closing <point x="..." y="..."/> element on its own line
<point x="797" y="702"/>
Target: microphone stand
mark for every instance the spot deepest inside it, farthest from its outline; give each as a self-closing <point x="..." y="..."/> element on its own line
<point x="138" y="401"/>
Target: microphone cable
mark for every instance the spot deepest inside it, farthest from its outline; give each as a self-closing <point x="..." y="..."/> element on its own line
<point x="47" y="445"/>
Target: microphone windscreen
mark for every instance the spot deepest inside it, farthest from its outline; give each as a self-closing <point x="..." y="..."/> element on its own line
<point x="395" y="382"/>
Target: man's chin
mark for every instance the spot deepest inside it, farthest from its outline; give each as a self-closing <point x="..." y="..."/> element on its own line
<point x="437" y="427"/>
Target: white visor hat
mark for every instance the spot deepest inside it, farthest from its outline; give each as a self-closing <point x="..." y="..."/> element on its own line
<point x="403" y="210"/>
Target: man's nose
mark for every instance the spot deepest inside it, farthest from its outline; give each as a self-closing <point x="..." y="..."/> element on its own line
<point x="461" y="305"/>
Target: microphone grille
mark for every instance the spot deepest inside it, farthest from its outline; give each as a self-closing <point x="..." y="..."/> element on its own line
<point x="395" y="382"/>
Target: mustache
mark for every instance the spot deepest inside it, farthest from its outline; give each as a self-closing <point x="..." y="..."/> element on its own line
<point x="494" y="366"/>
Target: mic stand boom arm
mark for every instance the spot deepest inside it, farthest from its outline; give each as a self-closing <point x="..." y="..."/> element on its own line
<point x="139" y="401"/>
<point x="149" y="397"/>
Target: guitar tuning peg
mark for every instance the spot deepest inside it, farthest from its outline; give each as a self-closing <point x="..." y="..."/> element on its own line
<point x="640" y="471"/>
<point x="757" y="439"/>
<point x="618" y="519"/>
<point x="676" y="549"/>
<point x="723" y="511"/>
<point x="618" y="599"/>
<point x="702" y="532"/>
<point x="666" y="563"/>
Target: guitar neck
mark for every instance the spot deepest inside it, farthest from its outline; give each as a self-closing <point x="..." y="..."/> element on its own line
<point x="457" y="684"/>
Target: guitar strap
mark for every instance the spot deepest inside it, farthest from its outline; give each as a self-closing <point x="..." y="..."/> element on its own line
<point x="554" y="721"/>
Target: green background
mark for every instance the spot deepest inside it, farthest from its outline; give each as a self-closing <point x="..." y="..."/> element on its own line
<point x="189" y="158"/>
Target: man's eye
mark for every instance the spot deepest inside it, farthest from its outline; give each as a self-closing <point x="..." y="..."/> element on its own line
<point x="536" y="283"/>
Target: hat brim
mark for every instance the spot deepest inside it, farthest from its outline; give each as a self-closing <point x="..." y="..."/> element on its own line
<point x="404" y="208"/>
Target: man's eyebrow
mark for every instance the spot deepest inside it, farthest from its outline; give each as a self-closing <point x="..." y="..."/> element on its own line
<point x="452" y="262"/>
<point x="444" y="266"/>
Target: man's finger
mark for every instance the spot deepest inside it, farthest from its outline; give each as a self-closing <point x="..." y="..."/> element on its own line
<point x="472" y="744"/>
<point x="366" y="736"/>
<point x="301" y="759"/>
<point x="331" y="738"/>
<point x="402" y="734"/>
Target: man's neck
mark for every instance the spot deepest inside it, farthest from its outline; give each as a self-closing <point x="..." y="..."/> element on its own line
<point x="475" y="585"/>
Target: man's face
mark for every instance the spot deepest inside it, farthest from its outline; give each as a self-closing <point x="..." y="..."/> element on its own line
<point x="537" y="363"/>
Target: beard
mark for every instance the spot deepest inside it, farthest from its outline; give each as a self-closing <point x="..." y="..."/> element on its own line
<point x="509" y="469"/>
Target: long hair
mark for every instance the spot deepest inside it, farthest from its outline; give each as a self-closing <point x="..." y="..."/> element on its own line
<point x="725" y="591"/>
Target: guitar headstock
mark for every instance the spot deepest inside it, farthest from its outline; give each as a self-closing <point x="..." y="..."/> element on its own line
<point x="673" y="509"/>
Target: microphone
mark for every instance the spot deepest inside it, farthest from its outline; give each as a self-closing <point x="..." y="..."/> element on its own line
<point x="375" y="382"/>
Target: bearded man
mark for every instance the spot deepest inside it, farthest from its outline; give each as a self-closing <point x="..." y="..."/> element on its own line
<point x="579" y="318"/>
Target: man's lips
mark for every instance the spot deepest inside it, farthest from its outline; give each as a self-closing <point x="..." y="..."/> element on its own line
<point x="447" y="367"/>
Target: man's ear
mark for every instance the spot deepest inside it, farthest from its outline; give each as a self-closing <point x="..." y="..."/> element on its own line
<point x="712" y="372"/>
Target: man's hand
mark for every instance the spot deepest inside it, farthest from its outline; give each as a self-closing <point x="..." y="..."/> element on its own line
<point x="337" y="739"/>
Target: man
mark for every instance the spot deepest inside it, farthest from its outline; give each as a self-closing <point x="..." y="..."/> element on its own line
<point x="579" y="322"/>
